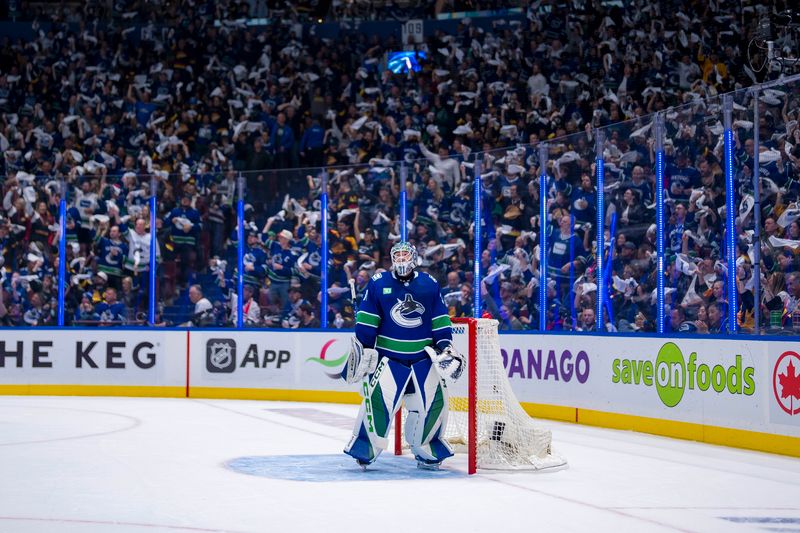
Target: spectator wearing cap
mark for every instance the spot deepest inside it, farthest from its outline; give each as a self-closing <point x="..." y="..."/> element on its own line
<point x="290" y="313"/>
<point x="85" y="313"/>
<point x="627" y="253"/>
<point x="110" y="310"/>
<point x="279" y="269"/>
<point x="98" y="284"/>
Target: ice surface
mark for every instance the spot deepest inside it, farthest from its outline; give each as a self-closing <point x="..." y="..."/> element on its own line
<point x="133" y="465"/>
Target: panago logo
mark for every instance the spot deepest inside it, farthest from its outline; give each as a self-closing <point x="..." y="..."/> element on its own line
<point x="330" y="363"/>
<point x="561" y="365"/>
<point x="786" y="382"/>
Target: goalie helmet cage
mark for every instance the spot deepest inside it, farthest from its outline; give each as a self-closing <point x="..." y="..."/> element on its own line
<point x="485" y="419"/>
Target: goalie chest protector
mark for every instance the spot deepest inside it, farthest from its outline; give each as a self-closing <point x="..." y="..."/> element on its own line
<point x="400" y="318"/>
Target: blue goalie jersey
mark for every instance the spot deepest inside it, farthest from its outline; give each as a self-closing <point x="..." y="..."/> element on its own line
<point x="400" y="318"/>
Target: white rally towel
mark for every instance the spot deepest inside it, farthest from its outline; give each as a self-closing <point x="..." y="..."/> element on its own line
<point x="781" y="243"/>
<point x="625" y="286"/>
<point x="685" y="265"/>
<point x="692" y="298"/>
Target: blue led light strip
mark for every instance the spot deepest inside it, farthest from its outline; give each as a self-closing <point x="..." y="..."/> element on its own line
<point x="608" y="283"/>
<point x="730" y="232"/>
<point x="476" y="283"/>
<point x="62" y="253"/>
<point x="599" y="227"/>
<point x="151" y="306"/>
<point x="403" y="200"/>
<point x="323" y="267"/>
<point x="660" y="227"/>
<point x="543" y="157"/>
<point x="571" y="293"/>
<point x="240" y="254"/>
<point x="756" y="214"/>
<point x="730" y="214"/>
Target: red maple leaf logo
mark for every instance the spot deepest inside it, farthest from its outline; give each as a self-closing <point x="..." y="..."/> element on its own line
<point x="790" y="382"/>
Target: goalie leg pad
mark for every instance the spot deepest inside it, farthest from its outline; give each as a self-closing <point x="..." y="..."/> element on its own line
<point x="427" y="414"/>
<point x="382" y="393"/>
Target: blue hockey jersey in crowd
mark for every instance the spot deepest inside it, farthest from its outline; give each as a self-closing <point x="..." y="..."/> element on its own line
<point x="400" y="318"/>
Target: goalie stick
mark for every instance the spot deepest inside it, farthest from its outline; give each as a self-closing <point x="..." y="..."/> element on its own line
<point x="354" y="362"/>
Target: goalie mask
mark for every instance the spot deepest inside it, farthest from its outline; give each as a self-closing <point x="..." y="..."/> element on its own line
<point x="404" y="259"/>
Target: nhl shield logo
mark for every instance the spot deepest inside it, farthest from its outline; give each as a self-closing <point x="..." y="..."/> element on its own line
<point x="221" y="355"/>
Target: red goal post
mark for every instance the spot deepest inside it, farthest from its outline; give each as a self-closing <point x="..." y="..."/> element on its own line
<point x="471" y="328"/>
<point x="485" y="419"/>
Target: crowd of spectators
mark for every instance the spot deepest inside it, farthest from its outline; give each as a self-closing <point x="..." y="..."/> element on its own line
<point x="305" y="11"/>
<point x="173" y="98"/>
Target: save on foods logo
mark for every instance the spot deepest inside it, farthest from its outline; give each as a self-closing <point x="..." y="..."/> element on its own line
<point x="786" y="382"/>
<point x="671" y="374"/>
<point x="323" y="360"/>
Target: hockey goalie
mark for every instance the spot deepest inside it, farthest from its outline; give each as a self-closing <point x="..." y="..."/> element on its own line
<point x="402" y="352"/>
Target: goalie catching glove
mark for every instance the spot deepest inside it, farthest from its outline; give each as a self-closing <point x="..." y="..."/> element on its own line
<point x="361" y="362"/>
<point x="449" y="363"/>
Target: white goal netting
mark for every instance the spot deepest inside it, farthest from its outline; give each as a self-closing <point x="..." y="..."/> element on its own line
<point x="507" y="437"/>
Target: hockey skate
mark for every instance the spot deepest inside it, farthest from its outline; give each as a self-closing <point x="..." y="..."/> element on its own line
<point x="362" y="464"/>
<point x="423" y="464"/>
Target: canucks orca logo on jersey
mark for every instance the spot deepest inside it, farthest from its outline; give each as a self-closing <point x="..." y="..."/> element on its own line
<point x="401" y="312"/>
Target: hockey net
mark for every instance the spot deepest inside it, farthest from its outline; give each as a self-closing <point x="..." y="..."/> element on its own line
<point x="485" y="419"/>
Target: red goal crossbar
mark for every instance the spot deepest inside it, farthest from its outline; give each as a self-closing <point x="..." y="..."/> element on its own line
<point x="472" y="399"/>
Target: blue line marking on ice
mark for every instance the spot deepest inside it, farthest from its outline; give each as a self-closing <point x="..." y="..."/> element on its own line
<point x="762" y="519"/>
<point x="340" y="467"/>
